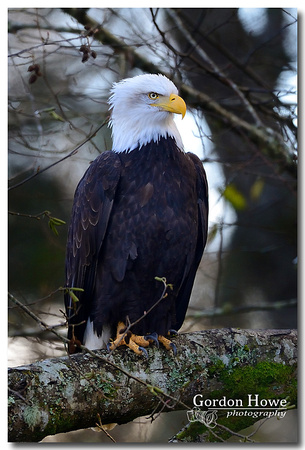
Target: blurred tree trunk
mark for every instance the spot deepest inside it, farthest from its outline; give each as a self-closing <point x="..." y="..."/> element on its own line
<point x="69" y="393"/>
<point x="240" y="70"/>
<point x="235" y="75"/>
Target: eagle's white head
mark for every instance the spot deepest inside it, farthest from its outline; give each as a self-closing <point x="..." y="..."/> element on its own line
<point x="142" y="111"/>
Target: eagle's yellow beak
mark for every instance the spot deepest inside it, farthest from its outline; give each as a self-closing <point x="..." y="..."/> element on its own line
<point x="173" y="103"/>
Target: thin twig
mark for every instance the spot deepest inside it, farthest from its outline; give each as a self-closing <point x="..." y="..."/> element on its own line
<point x="226" y="310"/>
<point x="101" y="427"/>
<point x="73" y="152"/>
<point x="234" y="433"/>
<point x="30" y="313"/>
<point x="216" y="70"/>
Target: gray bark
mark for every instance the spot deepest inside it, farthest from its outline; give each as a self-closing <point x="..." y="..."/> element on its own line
<point x="68" y="393"/>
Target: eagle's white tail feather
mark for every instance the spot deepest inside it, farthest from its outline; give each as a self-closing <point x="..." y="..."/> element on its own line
<point x="92" y="341"/>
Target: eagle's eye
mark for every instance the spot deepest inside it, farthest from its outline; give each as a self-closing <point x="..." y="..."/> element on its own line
<point x="153" y="95"/>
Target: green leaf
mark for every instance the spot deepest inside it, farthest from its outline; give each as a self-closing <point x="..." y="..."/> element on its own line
<point x="56" y="116"/>
<point x="57" y="221"/>
<point x="54" y="222"/>
<point x="53" y="228"/>
<point x="257" y="189"/>
<point x="235" y="197"/>
<point x="73" y="296"/>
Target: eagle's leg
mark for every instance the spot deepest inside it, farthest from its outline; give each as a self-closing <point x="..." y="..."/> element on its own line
<point x="133" y="341"/>
<point x="167" y="344"/>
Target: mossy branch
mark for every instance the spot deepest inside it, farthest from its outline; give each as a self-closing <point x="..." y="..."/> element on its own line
<point x="72" y="392"/>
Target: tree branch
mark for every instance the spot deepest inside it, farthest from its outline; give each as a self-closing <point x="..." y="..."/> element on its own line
<point x="215" y="69"/>
<point x="68" y="393"/>
<point x="71" y="153"/>
<point x="268" y="140"/>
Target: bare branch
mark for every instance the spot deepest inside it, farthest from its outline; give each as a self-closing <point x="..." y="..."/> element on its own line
<point x="272" y="142"/>
<point x="215" y="69"/>
<point x="73" y="152"/>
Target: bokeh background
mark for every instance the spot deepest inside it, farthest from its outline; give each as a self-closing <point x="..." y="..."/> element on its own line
<point x="236" y="69"/>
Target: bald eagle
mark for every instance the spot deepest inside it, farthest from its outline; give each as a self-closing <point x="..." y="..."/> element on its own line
<point x="139" y="212"/>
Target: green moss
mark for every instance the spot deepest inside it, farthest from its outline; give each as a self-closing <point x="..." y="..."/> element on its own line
<point x="267" y="379"/>
<point x="198" y="432"/>
<point x="216" y="368"/>
<point x="191" y="432"/>
<point x="235" y="424"/>
<point x="264" y="378"/>
<point x="57" y="421"/>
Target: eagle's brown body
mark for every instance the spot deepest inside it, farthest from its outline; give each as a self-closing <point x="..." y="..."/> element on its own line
<point x="139" y="212"/>
<point x="137" y="216"/>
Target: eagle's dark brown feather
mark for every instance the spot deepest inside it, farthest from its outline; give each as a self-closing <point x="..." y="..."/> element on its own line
<point x="136" y="215"/>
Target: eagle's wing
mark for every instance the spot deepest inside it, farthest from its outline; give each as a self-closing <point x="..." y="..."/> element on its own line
<point x="183" y="297"/>
<point x="91" y="210"/>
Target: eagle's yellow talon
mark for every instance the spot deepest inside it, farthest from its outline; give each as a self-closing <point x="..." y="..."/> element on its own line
<point x="134" y="342"/>
<point x="138" y="343"/>
<point x="167" y="344"/>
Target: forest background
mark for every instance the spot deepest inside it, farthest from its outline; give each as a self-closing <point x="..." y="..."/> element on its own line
<point x="246" y="64"/>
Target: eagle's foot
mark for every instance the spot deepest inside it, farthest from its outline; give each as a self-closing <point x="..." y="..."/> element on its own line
<point x="134" y="342"/>
<point x="172" y="332"/>
<point x="138" y="343"/>
<point x="167" y="344"/>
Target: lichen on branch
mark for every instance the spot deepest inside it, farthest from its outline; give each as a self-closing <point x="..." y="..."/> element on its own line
<point x="68" y="393"/>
